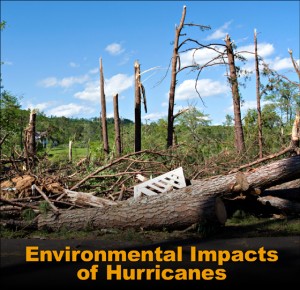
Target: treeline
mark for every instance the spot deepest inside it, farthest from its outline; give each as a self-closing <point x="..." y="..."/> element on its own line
<point x="194" y="135"/>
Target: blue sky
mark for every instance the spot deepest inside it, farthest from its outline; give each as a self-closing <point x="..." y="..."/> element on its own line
<point x="51" y="52"/>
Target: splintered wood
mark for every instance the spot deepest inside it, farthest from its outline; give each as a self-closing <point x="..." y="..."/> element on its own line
<point x="164" y="183"/>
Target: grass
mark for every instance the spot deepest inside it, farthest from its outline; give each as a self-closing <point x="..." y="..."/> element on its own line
<point x="61" y="153"/>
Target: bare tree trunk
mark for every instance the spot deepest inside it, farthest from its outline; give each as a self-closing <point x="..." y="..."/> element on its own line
<point x="157" y="213"/>
<point x="197" y="203"/>
<point x="117" y="126"/>
<point x="295" y="64"/>
<point x="70" y="151"/>
<point x="296" y="131"/>
<point x="284" y="205"/>
<point x="288" y="190"/>
<point x="258" y="97"/>
<point x="238" y="126"/>
<point x="103" y="111"/>
<point x="173" y="80"/>
<point x="30" y="143"/>
<point x="137" y="109"/>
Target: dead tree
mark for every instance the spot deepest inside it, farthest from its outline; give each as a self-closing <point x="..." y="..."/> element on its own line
<point x="117" y="126"/>
<point x="103" y="111"/>
<point x="173" y="79"/>
<point x="30" y="142"/>
<point x="70" y="151"/>
<point x="296" y="131"/>
<point x="200" y="202"/>
<point x="258" y="97"/>
<point x="295" y="64"/>
<point x="137" y="109"/>
<point x="176" y="68"/>
<point x="233" y="80"/>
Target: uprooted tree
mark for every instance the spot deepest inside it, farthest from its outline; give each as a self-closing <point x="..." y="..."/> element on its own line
<point x="199" y="202"/>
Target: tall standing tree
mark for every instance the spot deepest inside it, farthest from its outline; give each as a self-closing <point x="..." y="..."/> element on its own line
<point x="175" y="58"/>
<point x="258" y="98"/>
<point x="233" y="81"/>
<point x="117" y="126"/>
<point x="175" y="69"/>
<point x="103" y="111"/>
<point x="30" y="142"/>
<point x="137" y="108"/>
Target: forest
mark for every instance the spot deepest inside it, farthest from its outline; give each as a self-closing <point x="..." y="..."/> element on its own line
<point x="70" y="173"/>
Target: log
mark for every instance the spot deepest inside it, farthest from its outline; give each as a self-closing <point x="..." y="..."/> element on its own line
<point x="288" y="190"/>
<point x="84" y="198"/>
<point x="294" y="184"/>
<point x="149" y="213"/>
<point x="199" y="202"/>
<point x="287" y="206"/>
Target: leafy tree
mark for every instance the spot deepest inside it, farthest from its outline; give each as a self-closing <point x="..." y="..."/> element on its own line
<point x="286" y="96"/>
<point x="13" y="121"/>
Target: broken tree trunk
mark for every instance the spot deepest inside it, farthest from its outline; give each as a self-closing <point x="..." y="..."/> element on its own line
<point x="117" y="125"/>
<point x="30" y="143"/>
<point x="288" y="190"/>
<point x="103" y="111"/>
<point x="284" y="205"/>
<point x="200" y="202"/>
<point x="137" y="109"/>
<point x="84" y="198"/>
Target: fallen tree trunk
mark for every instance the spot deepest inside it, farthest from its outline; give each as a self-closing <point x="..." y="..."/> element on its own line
<point x="287" y="185"/>
<point x="284" y="205"/>
<point x="288" y="190"/>
<point x="197" y="203"/>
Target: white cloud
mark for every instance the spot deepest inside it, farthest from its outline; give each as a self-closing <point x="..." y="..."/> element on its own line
<point x="70" y="81"/>
<point x="49" y="82"/>
<point x="73" y="64"/>
<point x="64" y="82"/>
<point x="263" y="50"/>
<point x="114" y="49"/>
<point x="250" y="105"/>
<point x="115" y="85"/>
<point x="41" y="106"/>
<point x="154" y="116"/>
<point x="219" y="33"/>
<point x="110" y="115"/>
<point x="281" y="63"/>
<point x="206" y="87"/>
<point x="7" y="63"/>
<point x="201" y="56"/>
<point x="69" y="110"/>
<point x="94" y="71"/>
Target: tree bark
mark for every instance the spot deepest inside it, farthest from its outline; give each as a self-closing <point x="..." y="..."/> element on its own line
<point x="70" y="151"/>
<point x="288" y="190"/>
<point x="175" y="57"/>
<point x="197" y="203"/>
<point x="30" y="143"/>
<point x="233" y="80"/>
<point x="117" y="126"/>
<point x="157" y="212"/>
<point x="137" y="109"/>
<point x="287" y="206"/>
<point x="258" y="97"/>
<point x="296" y="131"/>
<point x="103" y="111"/>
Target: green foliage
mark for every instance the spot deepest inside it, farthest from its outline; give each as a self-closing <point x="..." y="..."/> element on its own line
<point x="28" y="214"/>
<point x="44" y="207"/>
<point x="2" y="25"/>
<point x="13" y="122"/>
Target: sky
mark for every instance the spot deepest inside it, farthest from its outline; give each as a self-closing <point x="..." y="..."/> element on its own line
<point x="51" y="50"/>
